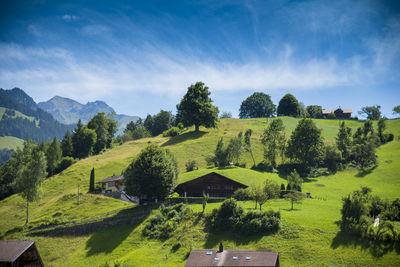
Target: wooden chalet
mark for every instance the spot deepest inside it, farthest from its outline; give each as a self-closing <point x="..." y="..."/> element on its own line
<point x="232" y="257"/>
<point x="339" y="113"/>
<point x="112" y="184"/>
<point x="213" y="184"/>
<point x="19" y="253"/>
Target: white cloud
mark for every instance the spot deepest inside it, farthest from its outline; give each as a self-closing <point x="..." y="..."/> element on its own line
<point x="69" y="17"/>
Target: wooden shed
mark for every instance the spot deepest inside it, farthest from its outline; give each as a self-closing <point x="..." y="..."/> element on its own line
<point x="19" y="253"/>
<point x="213" y="184"/>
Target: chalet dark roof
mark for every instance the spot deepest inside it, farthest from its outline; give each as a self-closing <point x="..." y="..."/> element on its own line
<point x="20" y="253"/>
<point x="232" y="257"/>
<point x="213" y="174"/>
<point x="112" y="179"/>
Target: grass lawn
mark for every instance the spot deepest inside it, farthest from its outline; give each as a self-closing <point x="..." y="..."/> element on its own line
<point x="308" y="235"/>
<point x="10" y="142"/>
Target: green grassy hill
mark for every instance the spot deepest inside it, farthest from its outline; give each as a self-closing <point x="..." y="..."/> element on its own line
<point x="309" y="234"/>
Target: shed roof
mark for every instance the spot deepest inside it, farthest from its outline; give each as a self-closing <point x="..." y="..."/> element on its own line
<point x="112" y="179"/>
<point x="212" y="174"/>
<point x="231" y="257"/>
<point x="11" y="250"/>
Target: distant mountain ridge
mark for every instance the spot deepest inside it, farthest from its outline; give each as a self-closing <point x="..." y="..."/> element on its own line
<point x="34" y="123"/>
<point x="68" y="111"/>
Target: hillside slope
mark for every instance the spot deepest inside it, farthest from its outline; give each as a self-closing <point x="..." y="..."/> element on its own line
<point x="309" y="234"/>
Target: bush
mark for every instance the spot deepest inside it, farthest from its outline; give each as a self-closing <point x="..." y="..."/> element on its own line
<point x="232" y="217"/>
<point x="388" y="137"/>
<point x="64" y="163"/>
<point x="173" y="131"/>
<point x="242" y="194"/>
<point x="332" y="159"/>
<point x="191" y="165"/>
<point x="162" y="224"/>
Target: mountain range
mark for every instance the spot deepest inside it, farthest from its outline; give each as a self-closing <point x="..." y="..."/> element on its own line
<point x="69" y="111"/>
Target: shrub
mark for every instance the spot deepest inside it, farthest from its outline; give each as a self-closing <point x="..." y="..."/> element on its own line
<point x="242" y="194"/>
<point x="64" y="163"/>
<point x="191" y="165"/>
<point x="332" y="158"/>
<point x="282" y="187"/>
<point x="173" y="131"/>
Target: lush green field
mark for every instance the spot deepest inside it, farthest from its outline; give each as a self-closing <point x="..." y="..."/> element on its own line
<point x="10" y="142"/>
<point x="309" y="234"/>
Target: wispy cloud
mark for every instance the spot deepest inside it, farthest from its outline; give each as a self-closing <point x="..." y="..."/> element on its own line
<point x="69" y="17"/>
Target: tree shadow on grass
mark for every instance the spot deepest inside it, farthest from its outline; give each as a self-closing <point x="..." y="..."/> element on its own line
<point x="184" y="137"/>
<point x="107" y="233"/>
<point x="213" y="238"/>
<point x="376" y="248"/>
<point x="363" y="172"/>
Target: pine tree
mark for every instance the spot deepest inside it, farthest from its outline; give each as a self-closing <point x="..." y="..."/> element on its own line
<point x="91" y="185"/>
<point x="66" y="145"/>
<point x="53" y="155"/>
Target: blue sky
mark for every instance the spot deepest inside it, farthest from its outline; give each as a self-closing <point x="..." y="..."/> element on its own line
<point x="140" y="56"/>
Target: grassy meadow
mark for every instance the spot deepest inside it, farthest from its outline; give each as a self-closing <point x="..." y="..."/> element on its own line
<point x="309" y="235"/>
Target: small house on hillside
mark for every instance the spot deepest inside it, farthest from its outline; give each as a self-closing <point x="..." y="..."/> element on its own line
<point x="232" y="257"/>
<point x="339" y="113"/>
<point x="213" y="184"/>
<point x="112" y="184"/>
<point x="19" y="253"/>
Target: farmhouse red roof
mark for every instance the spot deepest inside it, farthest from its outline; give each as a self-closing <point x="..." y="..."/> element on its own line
<point x="234" y="257"/>
<point x="11" y="250"/>
<point x="112" y="179"/>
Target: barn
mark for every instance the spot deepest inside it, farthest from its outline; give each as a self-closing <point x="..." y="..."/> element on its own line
<point x="213" y="184"/>
<point x="19" y="253"/>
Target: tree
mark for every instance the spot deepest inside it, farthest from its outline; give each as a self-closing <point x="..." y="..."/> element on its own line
<point x="371" y="112"/>
<point x="140" y="132"/>
<point x="234" y="149"/>
<point x="305" y="144"/>
<point x="83" y="140"/>
<point x="343" y="141"/>
<point x="31" y="172"/>
<point x="289" y="106"/>
<point x="221" y="158"/>
<point x="196" y="109"/>
<point x="258" y="105"/>
<point x="105" y="128"/>
<point x="396" y="110"/>
<point x="314" y="111"/>
<point x="274" y="141"/>
<point x="294" y="181"/>
<point x="91" y="183"/>
<point x="204" y="201"/>
<point x="294" y="197"/>
<point x="381" y="129"/>
<point x="131" y="126"/>
<point x="364" y="154"/>
<point x="332" y="158"/>
<point x="148" y="122"/>
<point x="161" y="122"/>
<point x="259" y="196"/>
<point x="53" y="155"/>
<point x="226" y="115"/>
<point x="303" y="111"/>
<point x="66" y="145"/>
<point x="153" y="174"/>
<point x="271" y="189"/>
<point x="247" y="144"/>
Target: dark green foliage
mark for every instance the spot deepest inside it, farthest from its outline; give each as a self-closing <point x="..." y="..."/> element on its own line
<point x="283" y="187"/>
<point x="165" y="221"/>
<point x="314" y="111"/>
<point x="305" y="144"/>
<point x="364" y="154"/>
<point x="173" y="131"/>
<point x="332" y="158"/>
<point x="8" y="172"/>
<point x="5" y="154"/>
<point x="105" y="128"/>
<point x="231" y="217"/>
<point x="242" y="194"/>
<point x="196" y="109"/>
<point x="53" y="156"/>
<point x="371" y="112"/>
<point x="289" y="106"/>
<point x="343" y="142"/>
<point x="205" y="200"/>
<point x="91" y="183"/>
<point x="153" y="173"/>
<point x="294" y="181"/>
<point x="83" y="140"/>
<point x="191" y="165"/>
<point x="223" y="156"/>
<point x="274" y="141"/>
<point x="396" y="110"/>
<point x="65" y="163"/>
<point x="247" y="144"/>
<point x="66" y="145"/>
<point x="258" y="105"/>
<point x="140" y="132"/>
<point x="131" y="126"/>
<point x="159" y="123"/>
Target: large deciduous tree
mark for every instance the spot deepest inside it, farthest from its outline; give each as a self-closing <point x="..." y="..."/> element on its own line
<point x="289" y="106"/>
<point x="371" y="112"/>
<point x="196" y="109"/>
<point x="31" y="172"/>
<point x="153" y="173"/>
<point x="396" y="110"/>
<point x="305" y="144"/>
<point x="105" y="128"/>
<point x="258" y="105"/>
<point x="274" y="141"/>
<point x="343" y="142"/>
<point x="83" y="140"/>
<point x="314" y="111"/>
